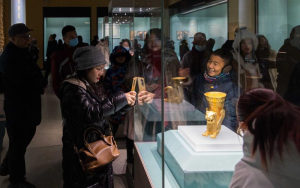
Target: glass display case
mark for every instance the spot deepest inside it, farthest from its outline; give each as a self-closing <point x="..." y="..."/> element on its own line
<point x="192" y="60"/>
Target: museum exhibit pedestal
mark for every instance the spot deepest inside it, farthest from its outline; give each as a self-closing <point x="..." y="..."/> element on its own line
<point x="148" y="167"/>
<point x="198" y="161"/>
<point x="191" y="160"/>
<point x="227" y="140"/>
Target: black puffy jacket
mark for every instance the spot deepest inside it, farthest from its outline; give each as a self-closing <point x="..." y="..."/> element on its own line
<point x="82" y="107"/>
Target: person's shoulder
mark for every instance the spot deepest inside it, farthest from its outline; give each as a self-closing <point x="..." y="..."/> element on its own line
<point x="9" y="49"/>
<point x="246" y="175"/>
<point x="72" y="87"/>
<point x="228" y="82"/>
<point x="187" y="57"/>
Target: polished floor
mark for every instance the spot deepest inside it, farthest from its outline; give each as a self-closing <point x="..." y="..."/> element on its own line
<point x="43" y="157"/>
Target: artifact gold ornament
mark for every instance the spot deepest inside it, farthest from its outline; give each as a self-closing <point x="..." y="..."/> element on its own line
<point x="175" y="92"/>
<point x="141" y="84"/>
<point x="215" y="113"/>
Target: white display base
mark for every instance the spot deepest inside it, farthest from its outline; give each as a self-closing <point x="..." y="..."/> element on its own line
<point x="225" y="141"/>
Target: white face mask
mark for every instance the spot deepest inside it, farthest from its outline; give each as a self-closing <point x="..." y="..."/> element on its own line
<point x="248" y="142"/>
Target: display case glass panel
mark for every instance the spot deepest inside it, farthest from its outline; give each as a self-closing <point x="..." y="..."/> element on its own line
<point x="185" y="124"/>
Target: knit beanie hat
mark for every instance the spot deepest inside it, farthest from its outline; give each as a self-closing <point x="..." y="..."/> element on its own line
<point x="88" y="57"/>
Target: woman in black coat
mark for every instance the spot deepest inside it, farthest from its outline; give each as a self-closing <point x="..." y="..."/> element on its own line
<point x="82" y="107"/>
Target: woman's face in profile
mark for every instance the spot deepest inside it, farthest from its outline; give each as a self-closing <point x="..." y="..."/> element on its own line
<point x="95" y="74"/>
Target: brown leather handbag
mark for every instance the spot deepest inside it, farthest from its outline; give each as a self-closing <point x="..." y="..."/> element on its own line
<point x="99" y="153"/>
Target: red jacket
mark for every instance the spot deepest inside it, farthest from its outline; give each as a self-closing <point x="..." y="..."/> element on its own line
<point x="62" y="66"/>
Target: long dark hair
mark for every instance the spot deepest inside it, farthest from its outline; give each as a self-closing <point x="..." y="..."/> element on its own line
<point x="125" y="40"/>
<point x="82" y="75"/>
<point x="265" y="53"/>
<point x="271" y="120"/>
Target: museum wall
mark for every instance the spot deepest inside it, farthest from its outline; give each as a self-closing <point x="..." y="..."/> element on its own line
<point x="211" y="21"/>
<point x="277" y="23"/>
<point x="34" y="15"/>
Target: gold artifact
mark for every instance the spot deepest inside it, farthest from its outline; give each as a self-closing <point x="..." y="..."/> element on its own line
<point x="141" y="84"/>
<point x="175" y="92"/>
<point x="215" y="113"/>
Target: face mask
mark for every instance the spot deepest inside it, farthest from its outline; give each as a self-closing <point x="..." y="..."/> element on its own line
<point x="127" y="48"/>
<point x="73" y="42"/>
<point x="200" y="48"/>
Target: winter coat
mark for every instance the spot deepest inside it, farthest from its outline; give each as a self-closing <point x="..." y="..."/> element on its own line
<point x="119" y="77"/>
<point x="288" y="67"/>
<point x="245" y="74"/>
<point x="222" y="84"/>
<point x="183" y="49"/>
<point x="23" y="86"/>
<point x="151" y="69"/>
<point x="116" y="79"/>
<point x="250" y="173"/>
<point x="267" y="65"/>
<point x="62" y="66"/>
<point x="82" y="108"/>
<point x="196" y="61"/>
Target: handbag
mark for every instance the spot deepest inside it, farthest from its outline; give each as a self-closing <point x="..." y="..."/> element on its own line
<point x="97" y="154"/>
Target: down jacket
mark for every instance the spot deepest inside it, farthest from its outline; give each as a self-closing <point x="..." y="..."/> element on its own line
<point x="82" y="108"/>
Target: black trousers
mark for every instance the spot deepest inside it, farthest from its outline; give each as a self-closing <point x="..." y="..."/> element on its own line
<point x="19" y="138"/>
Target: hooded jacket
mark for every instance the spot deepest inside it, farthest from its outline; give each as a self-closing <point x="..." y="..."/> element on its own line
<point x="115" y="77"/>
<point x="246" y="74"/>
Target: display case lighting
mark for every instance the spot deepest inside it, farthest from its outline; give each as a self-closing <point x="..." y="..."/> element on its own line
<point x="214" y="3"/>
<point x="17" y="11"/>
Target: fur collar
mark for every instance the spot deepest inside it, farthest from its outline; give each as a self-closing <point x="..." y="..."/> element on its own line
<point x="77" y="82"/>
